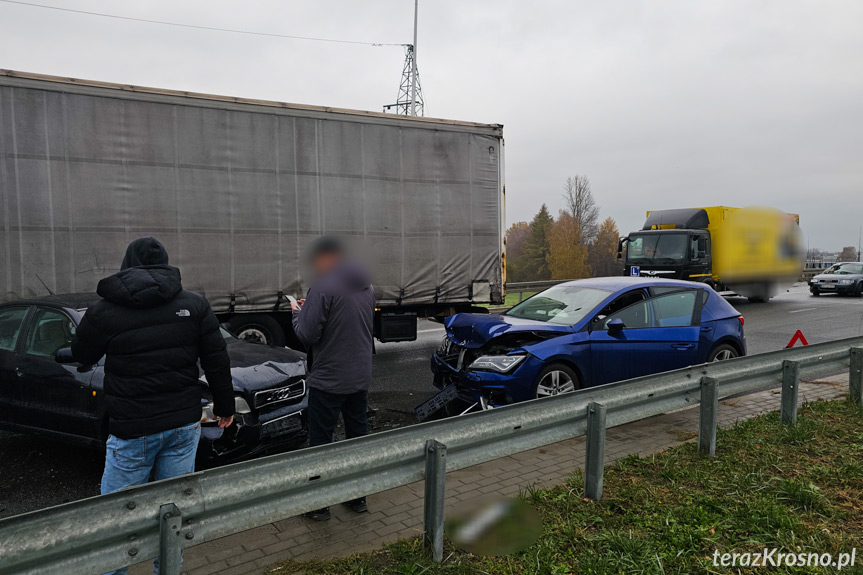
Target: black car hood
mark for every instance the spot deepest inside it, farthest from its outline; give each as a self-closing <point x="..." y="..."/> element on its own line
<point x="255" y="366"/>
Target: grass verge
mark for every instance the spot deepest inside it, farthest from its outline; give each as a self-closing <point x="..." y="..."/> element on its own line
<point x="798" y="489"/>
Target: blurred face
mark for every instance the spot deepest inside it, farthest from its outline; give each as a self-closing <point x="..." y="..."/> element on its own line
<point x="323" y="263"/>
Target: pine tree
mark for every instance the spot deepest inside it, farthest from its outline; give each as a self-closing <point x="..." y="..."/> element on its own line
<point x="516" y="251"/>
<point x="537" y="246"/>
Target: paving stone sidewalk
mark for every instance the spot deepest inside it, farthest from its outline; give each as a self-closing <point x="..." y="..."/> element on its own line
<point x="397" y="513"/>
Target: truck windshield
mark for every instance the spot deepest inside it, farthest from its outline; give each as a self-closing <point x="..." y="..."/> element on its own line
<point x="565" y="305"/>
<point x="659" y="248"/>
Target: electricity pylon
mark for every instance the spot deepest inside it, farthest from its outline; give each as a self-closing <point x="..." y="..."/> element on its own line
<point x="410" y="98"/>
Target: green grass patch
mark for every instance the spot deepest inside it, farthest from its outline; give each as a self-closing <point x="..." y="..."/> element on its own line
<point x="797" y="489"/>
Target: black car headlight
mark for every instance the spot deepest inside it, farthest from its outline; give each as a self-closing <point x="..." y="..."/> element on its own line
<point x="241" y="407"/>
<point x="498" y="363"/>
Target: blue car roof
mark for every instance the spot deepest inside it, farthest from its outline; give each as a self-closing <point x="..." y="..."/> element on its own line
<point x="626" y="282"/>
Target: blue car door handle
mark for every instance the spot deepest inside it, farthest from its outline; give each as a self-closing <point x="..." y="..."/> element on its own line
<point x="706" y="328"/>
<point x="682" y="345"/>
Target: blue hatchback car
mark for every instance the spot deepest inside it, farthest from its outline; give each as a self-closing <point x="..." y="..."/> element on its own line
<point x="584" y="333"/>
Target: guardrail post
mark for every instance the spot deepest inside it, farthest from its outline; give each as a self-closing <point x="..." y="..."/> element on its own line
<point x="709" y="410"/>
<point x="790" y="383"/>
<point x="435" y="491"/>
<point x="855" y="376"/>
<point x="595" y="460"/>
<point x="170" y="548"/>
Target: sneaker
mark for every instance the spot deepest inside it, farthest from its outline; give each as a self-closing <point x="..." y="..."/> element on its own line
<point x="322" y="514"/>
<point x="357" y="505"/>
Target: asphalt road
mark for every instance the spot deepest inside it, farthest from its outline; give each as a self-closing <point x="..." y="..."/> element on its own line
<point x="38" y="473"/>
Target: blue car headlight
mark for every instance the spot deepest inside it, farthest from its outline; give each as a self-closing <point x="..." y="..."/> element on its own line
<point x="499" y="363"/>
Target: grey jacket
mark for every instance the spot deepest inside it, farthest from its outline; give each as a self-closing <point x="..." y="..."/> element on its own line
<point x="336" y="325"/>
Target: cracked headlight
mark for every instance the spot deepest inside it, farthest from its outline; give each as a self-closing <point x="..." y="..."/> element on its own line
<point x="499" y="363"/>
<point x="241" y="407"/>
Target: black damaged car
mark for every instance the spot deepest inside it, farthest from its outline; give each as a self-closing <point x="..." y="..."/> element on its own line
<point x="42" y="392"/>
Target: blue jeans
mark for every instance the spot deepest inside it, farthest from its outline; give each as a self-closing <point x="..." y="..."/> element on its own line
<point x="166" y="454"/>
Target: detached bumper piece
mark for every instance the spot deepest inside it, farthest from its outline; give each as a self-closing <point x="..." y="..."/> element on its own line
<point x="254" y="434"/>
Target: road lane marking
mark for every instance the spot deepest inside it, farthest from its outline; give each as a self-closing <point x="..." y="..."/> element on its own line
<point x="801" y="310"/>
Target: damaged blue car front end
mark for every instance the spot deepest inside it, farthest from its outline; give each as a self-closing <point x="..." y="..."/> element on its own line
<point x="494" y="360"/>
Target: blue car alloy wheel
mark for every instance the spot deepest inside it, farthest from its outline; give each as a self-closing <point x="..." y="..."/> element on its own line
<point x="555" y="379"/>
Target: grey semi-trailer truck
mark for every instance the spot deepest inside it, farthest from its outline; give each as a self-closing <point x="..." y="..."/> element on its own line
<point x="236" y="189"/>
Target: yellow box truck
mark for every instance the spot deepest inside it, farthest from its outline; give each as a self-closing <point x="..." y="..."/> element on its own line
<point x="750" y="251"/>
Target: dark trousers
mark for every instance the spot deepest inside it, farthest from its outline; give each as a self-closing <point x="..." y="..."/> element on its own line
<point x="324" y="410"/>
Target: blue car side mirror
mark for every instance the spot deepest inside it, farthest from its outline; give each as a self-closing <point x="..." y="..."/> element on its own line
<point x="615" y="326"/>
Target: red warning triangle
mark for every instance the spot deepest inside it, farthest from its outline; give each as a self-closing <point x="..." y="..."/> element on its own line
<point x="798" y="336"/>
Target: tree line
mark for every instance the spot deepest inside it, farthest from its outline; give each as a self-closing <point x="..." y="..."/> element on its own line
<point x="575" y="245"/>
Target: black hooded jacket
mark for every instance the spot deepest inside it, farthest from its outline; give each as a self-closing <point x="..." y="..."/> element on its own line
<point x="152" y="333"/>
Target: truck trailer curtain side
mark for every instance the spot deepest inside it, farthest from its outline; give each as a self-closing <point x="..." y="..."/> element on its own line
<point x="236" y="191"/>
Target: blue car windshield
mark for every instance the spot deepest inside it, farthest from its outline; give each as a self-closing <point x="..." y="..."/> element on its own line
<point x="564" y="305"/>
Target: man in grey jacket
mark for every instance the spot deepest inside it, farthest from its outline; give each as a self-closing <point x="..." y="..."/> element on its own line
<point x="334" y="322"/>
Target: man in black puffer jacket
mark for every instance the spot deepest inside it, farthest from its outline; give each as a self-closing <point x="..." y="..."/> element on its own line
<point x="152" y="333"/>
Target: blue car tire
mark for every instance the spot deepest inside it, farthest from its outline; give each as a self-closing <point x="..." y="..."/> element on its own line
<point x="722" y="352"/>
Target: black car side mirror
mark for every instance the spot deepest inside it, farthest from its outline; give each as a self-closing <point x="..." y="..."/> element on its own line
<point x="64" y="355"/>
<point x="615" y="326"/>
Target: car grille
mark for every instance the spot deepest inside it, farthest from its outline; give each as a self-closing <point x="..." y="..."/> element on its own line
<point x="449" y="351"/>
<point x="293" y="391"/>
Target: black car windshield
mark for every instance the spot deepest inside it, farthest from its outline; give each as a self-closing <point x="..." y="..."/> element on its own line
<point x="845" y="269"/>
<point x="561" y="304"/>
<point x="659" y="248"/>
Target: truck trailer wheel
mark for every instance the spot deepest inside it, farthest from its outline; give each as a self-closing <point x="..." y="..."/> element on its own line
<point x="257" y="328"/>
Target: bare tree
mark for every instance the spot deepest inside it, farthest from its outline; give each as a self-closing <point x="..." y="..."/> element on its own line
<point x="582" y="206"/>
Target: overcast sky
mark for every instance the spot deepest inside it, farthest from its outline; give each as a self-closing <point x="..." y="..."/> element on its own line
<point x="661" y="103"/>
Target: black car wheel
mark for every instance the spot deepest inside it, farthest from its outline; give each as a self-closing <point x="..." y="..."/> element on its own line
<point x="858" y="292"/>
<point x="555" y="379"/>
<point x="815" y="292"/>
<point x="257" y="328"/>
<point x="722" y="352"/>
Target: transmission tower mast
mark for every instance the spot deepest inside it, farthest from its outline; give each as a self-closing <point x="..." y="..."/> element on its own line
<point x="410" y="98"/>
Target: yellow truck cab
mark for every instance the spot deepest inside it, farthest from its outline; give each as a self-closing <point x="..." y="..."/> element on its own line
<point x="750" y="251"/>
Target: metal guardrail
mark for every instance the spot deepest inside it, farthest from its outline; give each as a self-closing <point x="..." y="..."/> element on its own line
<point x="106" y="532"/>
